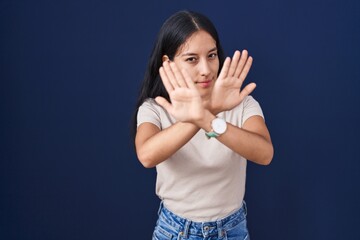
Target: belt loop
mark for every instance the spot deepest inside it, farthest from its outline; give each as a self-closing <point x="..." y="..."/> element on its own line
<point x="219" y="229"/>
<point x="186" y="229"/>
<point x="160" y="207"/>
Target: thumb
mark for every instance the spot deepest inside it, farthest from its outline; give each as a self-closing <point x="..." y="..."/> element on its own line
<point x="247" y="90"/>
<point x="163" y="102"/>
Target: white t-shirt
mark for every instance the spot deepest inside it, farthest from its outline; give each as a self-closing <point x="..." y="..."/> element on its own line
<point x="204" y="180"/>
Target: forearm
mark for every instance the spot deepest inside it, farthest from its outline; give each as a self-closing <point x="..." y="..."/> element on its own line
<point x="254" y="145"/>
<point x="250" y="145"/>
<point x="164" y="143"/>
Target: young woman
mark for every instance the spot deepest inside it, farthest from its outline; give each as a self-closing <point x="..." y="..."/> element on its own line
<point x="198" y="128"/>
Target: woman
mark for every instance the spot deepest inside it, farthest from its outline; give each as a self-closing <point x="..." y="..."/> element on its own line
<point x="198" y="129"/>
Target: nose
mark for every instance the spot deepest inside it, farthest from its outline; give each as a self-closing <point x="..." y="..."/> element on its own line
<point x="204" y="68"/>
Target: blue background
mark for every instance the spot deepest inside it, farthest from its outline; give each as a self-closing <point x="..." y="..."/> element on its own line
<point x="70" y="73"/>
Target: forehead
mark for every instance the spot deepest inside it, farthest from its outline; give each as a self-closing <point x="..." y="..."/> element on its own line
<point x="200" y="41"/>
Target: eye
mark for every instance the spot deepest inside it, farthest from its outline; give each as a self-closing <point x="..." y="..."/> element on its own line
<point x="212" y="55"/>
<point x="191" y="59"/>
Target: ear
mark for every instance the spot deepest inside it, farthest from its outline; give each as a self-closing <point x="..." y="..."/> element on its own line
<point x="165" y="58"/>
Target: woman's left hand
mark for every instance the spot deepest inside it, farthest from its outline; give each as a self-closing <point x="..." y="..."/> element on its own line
<point x="226" y="93"/>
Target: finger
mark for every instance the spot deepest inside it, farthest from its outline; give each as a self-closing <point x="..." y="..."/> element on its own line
<point x="240" y="66"/>
<point x="164" y="103"/>
<point x="247" y="90"/>
<point x="178" y="75"/>
<point x="189" y="82"/>
<point x="170" y="74"/>
<point x="234" y="63"/>
<point x="225" y="68"/>
<point x="167" y="84"/>
<point x="246" y="69"/>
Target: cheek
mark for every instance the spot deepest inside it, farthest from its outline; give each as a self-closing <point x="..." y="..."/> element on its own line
<point x="215" y="67"/>
<point x="191" y="70"/>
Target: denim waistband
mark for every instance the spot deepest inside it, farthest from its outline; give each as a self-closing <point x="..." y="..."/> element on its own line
<point x="205" y="229"/>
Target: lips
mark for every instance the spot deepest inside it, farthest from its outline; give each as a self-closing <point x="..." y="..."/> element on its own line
<point x="205" y="81"/>
<point x="204" y="84"/>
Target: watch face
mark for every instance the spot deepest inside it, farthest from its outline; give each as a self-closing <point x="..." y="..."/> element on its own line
<point x="219" y="125"/>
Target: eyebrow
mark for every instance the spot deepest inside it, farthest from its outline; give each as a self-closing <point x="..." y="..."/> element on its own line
<point x="192" y="54"/>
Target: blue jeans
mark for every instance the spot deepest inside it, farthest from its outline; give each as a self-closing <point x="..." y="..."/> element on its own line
<point x="169" y="226"/>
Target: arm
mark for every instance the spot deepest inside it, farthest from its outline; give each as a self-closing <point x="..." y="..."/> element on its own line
<point x="252" y="141"/>
<point x="154" y="146"/>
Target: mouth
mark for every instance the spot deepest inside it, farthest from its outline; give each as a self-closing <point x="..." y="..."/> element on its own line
<point x="204" y="84"/>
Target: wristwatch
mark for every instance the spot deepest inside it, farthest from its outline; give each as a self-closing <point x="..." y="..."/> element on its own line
<point x="218" y="126"/>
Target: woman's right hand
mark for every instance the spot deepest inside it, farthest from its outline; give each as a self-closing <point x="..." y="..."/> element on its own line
<point x="186" y="103"/>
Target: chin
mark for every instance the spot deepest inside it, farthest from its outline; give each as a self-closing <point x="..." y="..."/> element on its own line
<point x="205" y="93"/>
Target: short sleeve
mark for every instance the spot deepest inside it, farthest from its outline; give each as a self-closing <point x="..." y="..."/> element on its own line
<point x="251" y="108"/>
<point x="149" y="113"/>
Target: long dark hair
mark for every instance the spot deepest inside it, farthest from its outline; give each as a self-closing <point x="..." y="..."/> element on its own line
<point x="173" y="33"/>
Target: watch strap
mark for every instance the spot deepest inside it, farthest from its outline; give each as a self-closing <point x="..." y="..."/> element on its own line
<point x="211" y="134"/>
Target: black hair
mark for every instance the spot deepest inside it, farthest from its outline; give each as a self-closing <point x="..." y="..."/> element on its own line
<point x="173" y="33"/>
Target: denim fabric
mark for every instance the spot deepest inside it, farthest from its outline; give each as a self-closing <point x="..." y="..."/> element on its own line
<point x="169" y="226"/>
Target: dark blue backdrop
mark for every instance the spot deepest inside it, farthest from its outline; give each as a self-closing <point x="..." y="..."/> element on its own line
<point x="70" y="72"/>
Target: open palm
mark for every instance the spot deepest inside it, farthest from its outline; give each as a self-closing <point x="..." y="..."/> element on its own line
<point x="226" y="93"/>
<point x="186" y="104"/>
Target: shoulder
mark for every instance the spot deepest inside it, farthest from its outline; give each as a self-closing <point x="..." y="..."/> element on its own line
<point x="150" y="111"/>
<point x="150" y="103"/>
<point x="248" y="102"/>
<point x="246" y="109"/>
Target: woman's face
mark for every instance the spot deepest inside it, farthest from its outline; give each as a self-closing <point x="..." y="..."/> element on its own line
<point x="199" y="57"/>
